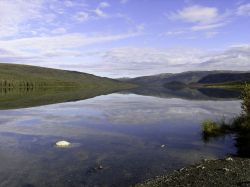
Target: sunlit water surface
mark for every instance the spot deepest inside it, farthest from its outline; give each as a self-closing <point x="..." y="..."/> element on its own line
<point x="131" y="137"/>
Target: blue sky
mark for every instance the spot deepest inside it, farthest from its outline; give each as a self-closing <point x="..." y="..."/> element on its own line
<point x="126" y="38"/>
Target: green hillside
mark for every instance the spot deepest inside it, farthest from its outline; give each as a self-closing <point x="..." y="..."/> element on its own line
<point x="19" y="76"/>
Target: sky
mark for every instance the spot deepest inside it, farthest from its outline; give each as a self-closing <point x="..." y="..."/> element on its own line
<point x="126" y="38"/>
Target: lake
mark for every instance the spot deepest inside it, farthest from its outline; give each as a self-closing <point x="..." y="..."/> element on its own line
<point x="118" y="139"/>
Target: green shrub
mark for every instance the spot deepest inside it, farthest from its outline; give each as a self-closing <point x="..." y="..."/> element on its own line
<point x="245" y="96"/>
<point x="210" y="128"/>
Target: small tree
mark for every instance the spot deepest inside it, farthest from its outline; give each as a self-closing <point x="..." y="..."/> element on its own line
<point x="245" y="96"/>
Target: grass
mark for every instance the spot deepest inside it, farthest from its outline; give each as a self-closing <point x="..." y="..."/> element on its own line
<point x="210" y="127"/>
<point x="227" y="85"/>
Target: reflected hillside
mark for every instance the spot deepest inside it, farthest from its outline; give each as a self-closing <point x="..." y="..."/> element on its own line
<point x="31" y="97"/>
<point x="186" y="93"/>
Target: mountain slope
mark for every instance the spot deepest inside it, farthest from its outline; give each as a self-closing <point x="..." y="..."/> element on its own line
<point x="148" y="80"/>
<point x="13" y="76"/>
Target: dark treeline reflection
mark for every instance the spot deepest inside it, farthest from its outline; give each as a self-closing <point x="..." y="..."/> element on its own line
<point x="238" y="128"/>
<point x="12" y="98"/>
<point x="220" y="93"/>
<point x="21" y="90"/>
<point x="242" y="143"/>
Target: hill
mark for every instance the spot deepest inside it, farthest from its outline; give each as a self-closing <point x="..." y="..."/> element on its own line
<point x="19" y="76"/>
<point x="148" y="80"/>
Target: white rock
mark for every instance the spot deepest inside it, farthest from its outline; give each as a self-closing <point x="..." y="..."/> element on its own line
<point x="229" y="159"/>
<point x="162" y="146"/>
<point x="226" y="169"/>
<point x="62" y="144"/>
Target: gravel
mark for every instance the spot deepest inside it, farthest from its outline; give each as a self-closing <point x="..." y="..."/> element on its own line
<point x="224" y="172"/>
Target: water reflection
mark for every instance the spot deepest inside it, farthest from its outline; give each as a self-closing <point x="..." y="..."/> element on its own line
<point x="121" y="132"/>
<point x="187" y="93"/>
<point x="241" y="141"/>
<point x="30" y="97"/>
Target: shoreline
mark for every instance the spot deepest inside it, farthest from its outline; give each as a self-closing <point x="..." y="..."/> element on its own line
<point x="231" y="171"/>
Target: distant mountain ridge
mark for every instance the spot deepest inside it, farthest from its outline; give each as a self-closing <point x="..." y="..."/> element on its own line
<point x="191" y="77"/>
<point x="148" y="80"/>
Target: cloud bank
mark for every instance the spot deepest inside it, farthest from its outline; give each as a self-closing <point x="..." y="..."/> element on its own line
<point x="114" y="39"/>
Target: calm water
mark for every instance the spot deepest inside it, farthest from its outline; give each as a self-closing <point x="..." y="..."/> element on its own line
<point x="123" y="133"/>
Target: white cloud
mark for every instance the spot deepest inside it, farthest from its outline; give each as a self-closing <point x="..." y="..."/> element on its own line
<point x="244" y="10"/>
<point x="59" y="30"/>
<point x="234" y="58"/>
<point x="174" y="33"/>
<point x="81" y="16"/>
<point x="16" y="12"/>
<point x="130" y="61"/>
<point x="146" y="61"/>
<point x="197" y="14"/>
<point x="208" y="26"/>
<point x="104" y="5"/>
<point x="44" y="48"/>
<point x="69" y="3"/>
<point x="100" y="13"/>
<point x="152" y="55"/>
<point x="202" y="18"/>
<point x="99" y="10"/>
<point x="211" y="34"/>
<point x="62" y="41"/>
<point x="140" y="27"/>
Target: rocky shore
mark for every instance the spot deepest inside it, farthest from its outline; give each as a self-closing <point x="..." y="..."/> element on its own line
<point x="224" y="172"/>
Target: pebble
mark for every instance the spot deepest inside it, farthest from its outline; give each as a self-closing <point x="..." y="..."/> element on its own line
<point x="162" y="146"/>
<point x="226" y="169"/>
<point x="181" y="169"/>
<point x="229" y="159"/>
<point x="100" y="167"/>
<point x="200" y="166"/>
